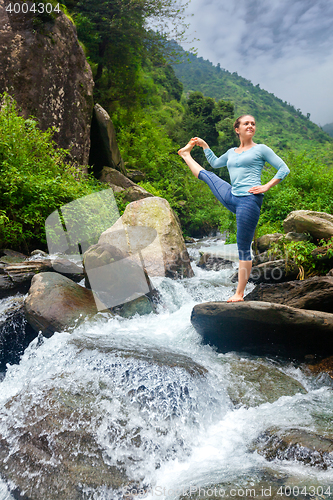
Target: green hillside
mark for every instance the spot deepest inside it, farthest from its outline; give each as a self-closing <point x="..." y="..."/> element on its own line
<point x="280" y="125"/>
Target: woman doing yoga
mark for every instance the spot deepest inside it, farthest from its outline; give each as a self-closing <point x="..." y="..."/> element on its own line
<point x="245" y="194"/>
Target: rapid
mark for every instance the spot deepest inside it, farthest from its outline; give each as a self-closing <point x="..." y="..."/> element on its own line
<point x="175" y="416"/>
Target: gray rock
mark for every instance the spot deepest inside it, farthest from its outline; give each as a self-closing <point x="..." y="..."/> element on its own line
<point x="121" y="184"/>
<point x="275" y="271"/>
<point x="314" y="293"/>
<point x="56" y="302"/>
<point x="296" y="445"/>
<point x="212" y="262"/>
<point x="135" y="175"/>
<point x="263" y="328"/>
<point x="16" y="277"/>
<point x="104" y="149"/>
<point x="43" y="66"/>
<point x="39" y="252"/>
<point x="330" y="273"/>
<point x="296" y="236"/>
<point x="11" y="256"/>
<point x="264" y="242"/>
<point x="317" y="224"/>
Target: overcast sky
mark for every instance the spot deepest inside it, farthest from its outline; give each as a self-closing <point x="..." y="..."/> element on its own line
<point x="284" y="45"/>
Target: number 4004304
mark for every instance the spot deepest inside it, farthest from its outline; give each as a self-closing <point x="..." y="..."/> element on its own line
<point x="25" y="7"/>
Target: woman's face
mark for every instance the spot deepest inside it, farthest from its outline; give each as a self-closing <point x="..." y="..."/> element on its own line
<point x="247" y="127"/>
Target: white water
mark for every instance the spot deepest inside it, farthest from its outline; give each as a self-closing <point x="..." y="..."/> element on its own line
<point x="170" y="429"/>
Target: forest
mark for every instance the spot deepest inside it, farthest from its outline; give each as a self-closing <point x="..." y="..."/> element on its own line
<point x="158" y="97"/>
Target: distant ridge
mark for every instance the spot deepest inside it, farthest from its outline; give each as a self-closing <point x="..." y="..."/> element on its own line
<point x="328" y="128"/>
<point x="280" y="125"/>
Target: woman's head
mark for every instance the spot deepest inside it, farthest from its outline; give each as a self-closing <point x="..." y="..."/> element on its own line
<point x="242" y="122"/>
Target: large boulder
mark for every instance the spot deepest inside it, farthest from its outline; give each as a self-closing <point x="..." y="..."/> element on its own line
<point x="104" y="148"/>
<point x="43" y="66"/>
<point x="317" y="224"/>
<point x="56" y="302"/>
<point x="118" y="279"/>
<point x="314" y="293"/>
<point x="154" y="233"/>
<point x="263" y="328"/>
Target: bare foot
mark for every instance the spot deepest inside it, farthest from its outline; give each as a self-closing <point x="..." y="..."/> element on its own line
<point x="236" y="298"/>
<point x="187" y="149"/>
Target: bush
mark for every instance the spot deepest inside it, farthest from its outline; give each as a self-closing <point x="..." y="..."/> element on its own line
<point x="35" y="179"/>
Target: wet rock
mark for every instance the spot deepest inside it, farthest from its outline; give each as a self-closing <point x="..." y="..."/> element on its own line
<point x="39" y="252"/>
<point x="11" y="256"/>
<point x="165" y="254"/>
<point x="153" y="356"/>
<point x="251" y="383"/>
<point x="212" y="262"/>
<point x="276" y="271"/>
<point x="53" y="451"/>
<point x="263" y="328"/>
<point x="264" y="242"/>
<point x="68" y="268"/>
<point x="56" y="302"/>
<point x="318" y="224"/>
<point x="104" y="150"/>
<point x="296" y="445"/>
<point x="314" y="293"/>
<point x="141" y="305"/>
<point x="323" y="254"/>
<point x="16" y="277"/>
<point x="43" y="66"/>
<point x="330" y="273"/>
<point x="325" y="366"/>
<point x="15" y="332"/>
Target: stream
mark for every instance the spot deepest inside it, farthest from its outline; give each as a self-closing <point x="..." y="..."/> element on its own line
<point x="174" y="416"/>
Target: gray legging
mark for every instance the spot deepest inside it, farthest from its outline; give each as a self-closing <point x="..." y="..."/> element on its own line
<point x="246" y="208"/>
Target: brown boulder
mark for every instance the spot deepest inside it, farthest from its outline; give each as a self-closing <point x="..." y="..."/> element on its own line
<point x="56" y="302"/>
<point x="121" y="184"/>
<point x="264" y="242"/>
<point x="43" y="66"/>
<point x="317" y="224"/>
<point x="314" y="293"/>
<point x="154" y="231"/>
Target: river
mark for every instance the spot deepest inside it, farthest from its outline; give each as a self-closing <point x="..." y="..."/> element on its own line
<point x="175" y="415"/>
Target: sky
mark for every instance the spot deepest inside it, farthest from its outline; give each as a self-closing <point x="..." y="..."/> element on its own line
<point x="284" y="45"/>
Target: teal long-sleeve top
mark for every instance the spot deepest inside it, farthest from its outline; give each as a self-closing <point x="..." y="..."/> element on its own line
<point x="245" y="168"/>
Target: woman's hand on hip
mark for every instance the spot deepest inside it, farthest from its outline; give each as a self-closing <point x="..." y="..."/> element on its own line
<point x="259" y="189"/>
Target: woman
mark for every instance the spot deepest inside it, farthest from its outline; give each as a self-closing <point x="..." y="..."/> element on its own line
<point x="245" y="194"/>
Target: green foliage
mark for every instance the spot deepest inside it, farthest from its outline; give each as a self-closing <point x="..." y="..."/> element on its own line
<point x="309" y="186"/>
<point x="35" y="179"/>
<point x="301" y="253"/>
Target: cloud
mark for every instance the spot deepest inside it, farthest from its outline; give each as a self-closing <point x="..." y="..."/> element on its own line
<point x="285" y="45"/>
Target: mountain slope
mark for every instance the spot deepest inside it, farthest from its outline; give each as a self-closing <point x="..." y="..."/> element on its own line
<point x="280" y="125"/>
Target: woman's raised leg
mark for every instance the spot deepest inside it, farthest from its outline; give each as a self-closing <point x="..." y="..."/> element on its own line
<point x="185" y="153"/>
